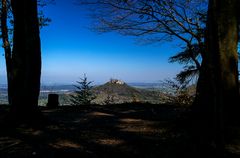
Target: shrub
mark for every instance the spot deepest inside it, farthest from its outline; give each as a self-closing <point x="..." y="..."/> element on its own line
<point x="177" y="93"/>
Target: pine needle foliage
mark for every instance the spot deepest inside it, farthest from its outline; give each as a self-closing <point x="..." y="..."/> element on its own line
<point x="191" y="58"/>
<point x="83" y="94"/>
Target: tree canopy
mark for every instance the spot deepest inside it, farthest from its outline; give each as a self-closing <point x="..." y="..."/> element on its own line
<point x="156" y="22"/>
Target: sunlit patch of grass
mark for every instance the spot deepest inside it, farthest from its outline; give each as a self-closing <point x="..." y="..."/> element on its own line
<point x="131" y="120"/>
<point x="141" y="126"/>
<point x="30" y="131"/>
<point x="233" y="149"/>
<point x="97" y="113"/>
<point x="7" y="142"/>
<point x="61" y="144"/>
<point x="108" y="141"/>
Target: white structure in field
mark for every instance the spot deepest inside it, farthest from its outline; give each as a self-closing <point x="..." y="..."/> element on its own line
<point x="116" y="81"/>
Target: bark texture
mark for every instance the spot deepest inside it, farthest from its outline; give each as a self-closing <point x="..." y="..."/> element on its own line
<point x="7" y="47"/>
<point x="217" y="103"/>
<point x="26" y="58"/>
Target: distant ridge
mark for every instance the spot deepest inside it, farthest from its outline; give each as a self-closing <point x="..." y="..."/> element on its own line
<point x="118" y="91"/>
<point x="115" y="90"/>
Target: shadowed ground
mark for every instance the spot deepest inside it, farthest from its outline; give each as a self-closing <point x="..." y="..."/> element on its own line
<point x="144" y="131"/>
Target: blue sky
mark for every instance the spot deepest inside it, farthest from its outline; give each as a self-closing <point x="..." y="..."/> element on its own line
<point x="70" y="49"/>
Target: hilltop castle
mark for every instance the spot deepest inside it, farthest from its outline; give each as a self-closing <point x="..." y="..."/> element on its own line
<point x="116" y="81"/>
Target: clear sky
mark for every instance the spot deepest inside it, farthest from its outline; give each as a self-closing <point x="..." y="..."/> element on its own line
<point x="70" y="49"/>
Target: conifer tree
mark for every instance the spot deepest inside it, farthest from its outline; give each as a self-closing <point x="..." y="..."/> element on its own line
<point x="83" y="94"/>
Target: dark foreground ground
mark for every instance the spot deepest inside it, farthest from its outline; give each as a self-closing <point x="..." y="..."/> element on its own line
<point x="143" y="131"/>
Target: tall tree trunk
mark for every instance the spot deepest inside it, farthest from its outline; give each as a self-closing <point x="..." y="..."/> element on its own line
<point x="217" y="91"/>
<point x="7" y="48"/>
<point x="26" y="58"/>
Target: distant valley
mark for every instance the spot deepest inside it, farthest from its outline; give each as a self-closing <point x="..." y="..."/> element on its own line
<point x="108" y="92"/>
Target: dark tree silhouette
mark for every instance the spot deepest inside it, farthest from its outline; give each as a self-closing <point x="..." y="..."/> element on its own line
<point x="190" y="57"/>
<point x="217" y="103"/>
<point x="83" y="94"/>
<point x="6" y="45"/>
<point x="26" y="59"/>
<point x="6" y="35"/>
